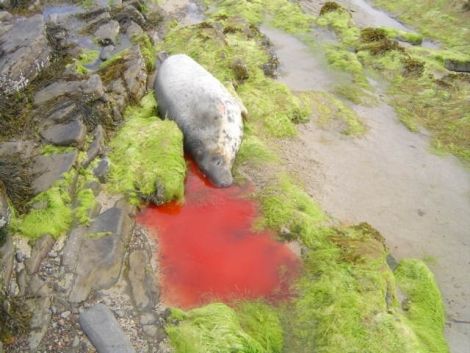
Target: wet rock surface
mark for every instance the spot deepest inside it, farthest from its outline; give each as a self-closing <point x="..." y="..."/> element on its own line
<point x="104" y="331"/>
<point x="25" y="52"/>
<point x="51" y="168"/>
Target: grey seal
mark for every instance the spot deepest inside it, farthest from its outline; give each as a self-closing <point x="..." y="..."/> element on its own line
<point x="207" y="114"/>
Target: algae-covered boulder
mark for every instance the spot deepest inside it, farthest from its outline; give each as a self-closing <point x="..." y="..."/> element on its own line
<point x="253" y="327"/>
<point x="147" y="158"/>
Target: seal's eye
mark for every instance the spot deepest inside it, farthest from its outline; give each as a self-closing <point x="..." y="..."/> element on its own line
<point x="217" y="161"/>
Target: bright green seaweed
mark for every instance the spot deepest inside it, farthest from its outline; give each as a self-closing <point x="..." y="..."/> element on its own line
<point x="147" y="156"/>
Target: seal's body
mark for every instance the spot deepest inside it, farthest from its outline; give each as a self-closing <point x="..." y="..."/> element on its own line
<point x="209" y="116"/>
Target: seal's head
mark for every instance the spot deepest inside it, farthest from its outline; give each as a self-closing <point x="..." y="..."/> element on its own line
<point x="216" y="169"/>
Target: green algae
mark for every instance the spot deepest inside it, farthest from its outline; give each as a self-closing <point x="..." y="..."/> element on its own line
<point x="147" y="49"/>
<point x="281" y="14"/>
<point x="86" y="57"/>
<point x="253" y="151"/>
<point x="48" y="150"/>
<point x="216" y="328"/>
<point x="327" y="108"/>
<point x="425" y="308"/>
<point x="341" y="22"/>
<point x="289" y="211"/>
<point x="50" y="214"/>
<point x="418" y="96"/>
<point x="261" y="321"/>
<point x="434" y="19"/>
<point x="147" y="156"/>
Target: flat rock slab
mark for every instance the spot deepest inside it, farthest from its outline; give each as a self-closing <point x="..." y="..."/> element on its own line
<point x="103" y="330"/>
<point x="89" y="89"/>
<point x="51" y="168"/>
<point x="95" y="255"/>
<point x="24" y="53"/>
<point x="71" y="133"/>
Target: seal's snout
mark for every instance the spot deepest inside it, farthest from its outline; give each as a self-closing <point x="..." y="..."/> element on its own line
<point x="217" y="171"/>
<point x="224" y="182"/>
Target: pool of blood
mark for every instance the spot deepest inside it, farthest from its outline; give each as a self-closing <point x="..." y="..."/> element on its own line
<point x="208" y="250"/>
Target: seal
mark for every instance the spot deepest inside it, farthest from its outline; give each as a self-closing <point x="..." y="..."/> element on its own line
<point x="207" y="114"/>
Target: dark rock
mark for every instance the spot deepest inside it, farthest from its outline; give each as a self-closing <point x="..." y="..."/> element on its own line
<point x="51" y="168"/>
<point x="58" y="37"/>
<point x="117" y="93"/>
<point x="71" y="133"/>
<point x="101" y="170"/>
<point x="24" y="53"/>
<point x="4" y="212"/>
<point x="99" y="254"/>
<point x="7" y="261"/>
<point x="130" y="13"/>
<point x="97" y="145"/>
<point x="142" y="280"/>
<point x="391" y="262"/>
<point x="103" y="330"/>
<point x="135" y="75"/>
<point x="457" y="65"/>
<point x="107" y="52"/>
<point x="40" y="249"/>
<point x="40" y="321"/>
<point x="91" y="88"/>
<point x="240" y="70"/>
<point x="107" y="33"/>
<point x="61" y="112"/>
<point x="134" y="30"/>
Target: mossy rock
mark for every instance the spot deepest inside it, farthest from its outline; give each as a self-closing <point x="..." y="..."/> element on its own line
<point x="147" y="158"/>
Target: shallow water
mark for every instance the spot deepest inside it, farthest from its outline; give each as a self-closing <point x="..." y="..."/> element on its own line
<point x="300" y="67"/>
<point x="209" y="252"/>
<point x="419" y="201"/>
<point x="366" y="15"/>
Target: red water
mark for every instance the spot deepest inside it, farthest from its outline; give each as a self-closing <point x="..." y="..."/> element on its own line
<point x="209" y="252"/>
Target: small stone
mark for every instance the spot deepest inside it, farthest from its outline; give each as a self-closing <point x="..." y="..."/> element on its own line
<point x="52" y="254"/>
<point x="107" y="34"/>
<point x="101" y="170"/>
<point x="148" y="319"/>
<point x="103" y="330"/>
<point x="65" y="314"/>
<point x="150" y="330"/>
<point x="107" y="52"/>
<point x="76" y="341"/>
<point x="20" y="257"/>
<point x="97" y="145"/>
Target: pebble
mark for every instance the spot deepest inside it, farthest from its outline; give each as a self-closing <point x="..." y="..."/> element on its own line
<point x="19" y="256"/>
<point x="65" y="314"/>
